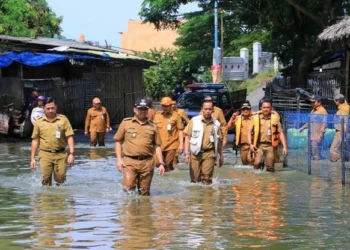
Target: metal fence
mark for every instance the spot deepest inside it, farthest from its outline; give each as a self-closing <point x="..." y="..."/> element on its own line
<point x="322" y="148"/>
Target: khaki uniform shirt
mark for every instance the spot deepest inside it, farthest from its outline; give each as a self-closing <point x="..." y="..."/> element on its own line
<point x="247" y="123"/>
<point x="207" y="132"/>
<point x="343" y="109"/>
<point x="318" y="123"/>
<point x="265" y="124"/>
<point x="137" y="138"/>
<point x="48" y="131"/>
<point x="151" y="114"/>
<point x="169" y="126"/>
<point x="183" y="115"/>
<point x="218" y="114"/>
<point x="97" y="120"/>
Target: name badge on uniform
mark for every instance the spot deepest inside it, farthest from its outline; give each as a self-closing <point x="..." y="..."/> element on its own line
<point x="58" y="132"/>
<point x="133" y="135"/>
<point x="169" y="127"/>
<point x="211" y="138"/>
<point x="269" y="132"/>
<point x="102" y="117"/>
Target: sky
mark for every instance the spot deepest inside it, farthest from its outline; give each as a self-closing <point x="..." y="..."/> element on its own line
<point x="99" y="20"/>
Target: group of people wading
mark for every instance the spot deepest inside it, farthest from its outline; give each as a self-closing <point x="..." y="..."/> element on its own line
<point x="151" y="138"/>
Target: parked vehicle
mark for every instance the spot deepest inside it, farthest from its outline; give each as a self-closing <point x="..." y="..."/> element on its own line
<point x="191" y="99"/>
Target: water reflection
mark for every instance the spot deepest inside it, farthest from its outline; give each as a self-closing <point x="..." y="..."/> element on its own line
<point x="242" y="209"/>
<point x="257" y="212"/>
<point x="136" y="219"/>
<point x="52" y="214"/>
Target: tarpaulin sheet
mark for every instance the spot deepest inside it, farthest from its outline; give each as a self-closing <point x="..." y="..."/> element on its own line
<point x="36" y="59"/>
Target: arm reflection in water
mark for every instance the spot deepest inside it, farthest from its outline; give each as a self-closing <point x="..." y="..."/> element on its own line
<point x="51" y="212"/>
<point x="257" y="212"/>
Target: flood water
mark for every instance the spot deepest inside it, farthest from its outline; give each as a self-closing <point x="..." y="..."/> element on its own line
<point x="244" y="208"/>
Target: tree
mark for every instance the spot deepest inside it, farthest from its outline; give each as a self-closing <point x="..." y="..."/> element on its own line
<point x="293" y="25"/>
<point x="28" y="18"/>
<point x="160" y="80"/>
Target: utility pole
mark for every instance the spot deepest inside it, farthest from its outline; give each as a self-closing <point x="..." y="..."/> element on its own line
<point x="216" y="38"/>
<point x="216" y="67"/>
<point x="222" y="40"/>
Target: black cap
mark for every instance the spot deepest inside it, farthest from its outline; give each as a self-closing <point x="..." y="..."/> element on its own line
<point x="141" y="103"/>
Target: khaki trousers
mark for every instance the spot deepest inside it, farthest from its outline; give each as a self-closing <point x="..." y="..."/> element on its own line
<point x="244" y="153"/>
<point x="55" y="163"/>
<point x="138" y="172"/>
<point x="97" y="137"/>
<point x="202" y="167"/>
<point x="267" y="151"/>
<point x="168" y="158"/>
<point x="334" y="149"/>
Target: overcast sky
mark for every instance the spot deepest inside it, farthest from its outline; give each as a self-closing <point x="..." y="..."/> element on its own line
<point x="99" y="20"/>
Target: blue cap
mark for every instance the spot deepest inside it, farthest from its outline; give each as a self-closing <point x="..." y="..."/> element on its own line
<point x="316" y="98"/>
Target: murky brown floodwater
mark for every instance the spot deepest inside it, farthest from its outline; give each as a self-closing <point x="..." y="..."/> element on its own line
<point x="287" y="209"/>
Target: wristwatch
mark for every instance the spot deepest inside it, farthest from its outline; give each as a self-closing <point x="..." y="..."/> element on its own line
<point x="186" y="153"/>
<point x="71" y="153"/>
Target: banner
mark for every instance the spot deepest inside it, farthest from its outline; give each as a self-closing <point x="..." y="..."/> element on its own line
<point x="216" y="73"/>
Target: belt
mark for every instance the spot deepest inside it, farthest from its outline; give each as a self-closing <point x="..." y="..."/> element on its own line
<point x="266" y="143"/>
<point x="244" y="144"/>
<point x="207" y="150"/>
<point x="54" y="151"/>
<point x="139" y="157"/>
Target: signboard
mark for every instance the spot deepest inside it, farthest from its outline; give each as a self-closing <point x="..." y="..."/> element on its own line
<point x="266" y="60"/>
<point x="234" y="68"/>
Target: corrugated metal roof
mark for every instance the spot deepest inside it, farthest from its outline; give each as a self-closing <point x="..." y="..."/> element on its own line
<point x="69" y="46"/>
<point x="51" y="42"/>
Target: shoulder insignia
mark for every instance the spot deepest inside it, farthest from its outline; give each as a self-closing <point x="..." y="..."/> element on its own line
<point x="127" y="119"/>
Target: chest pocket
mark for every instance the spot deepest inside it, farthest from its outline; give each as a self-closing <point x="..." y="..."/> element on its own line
<point x="148" y="136"/>
<point x="195" y="133"/>
<point x="131" y="134"/>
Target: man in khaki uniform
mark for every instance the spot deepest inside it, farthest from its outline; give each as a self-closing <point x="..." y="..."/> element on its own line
<point x="52" y="132"/>
<point x="318" y="126"/>
<point x="151" y="110"/>
<point x="203" y="162"/>
<point x="267" y="131"/>
<point x="343" y="110"/>
<point x="137" y="139"/>
<point x="185" y="120"/>
<point x="97" y="122"/>
<point x="170" y="129"/>
<point x="218" y="114"/>
<point x="242" y="124"/>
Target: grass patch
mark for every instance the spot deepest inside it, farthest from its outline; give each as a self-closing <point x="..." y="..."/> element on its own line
<point x="253" y="82"/>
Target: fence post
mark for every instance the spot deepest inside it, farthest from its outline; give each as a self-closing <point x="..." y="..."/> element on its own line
<point x="342" y="151"/>
<point x="309" y="153"/>
<point x="285" y="159"/>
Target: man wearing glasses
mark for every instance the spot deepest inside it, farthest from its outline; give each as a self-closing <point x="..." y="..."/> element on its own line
<point x="242" y="123"/>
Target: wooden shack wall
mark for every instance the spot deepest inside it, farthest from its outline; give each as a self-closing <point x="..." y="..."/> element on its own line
<point x="117" y="87"/>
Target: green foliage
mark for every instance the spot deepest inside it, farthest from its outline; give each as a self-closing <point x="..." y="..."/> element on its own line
<point x="160" y="80"/>
<point x="289" y="27"/>
<point x="28" y="18"/>
<point x="253" y="83"/>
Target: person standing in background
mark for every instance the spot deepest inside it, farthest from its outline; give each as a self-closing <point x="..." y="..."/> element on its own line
<point x="97" y="122"/>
